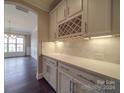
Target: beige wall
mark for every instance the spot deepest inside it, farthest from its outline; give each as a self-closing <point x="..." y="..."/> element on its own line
<point x="107" y="49"/>
<point x="43" y="18"/>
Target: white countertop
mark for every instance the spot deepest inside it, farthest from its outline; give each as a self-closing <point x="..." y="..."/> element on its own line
<point x="102" y="67"/>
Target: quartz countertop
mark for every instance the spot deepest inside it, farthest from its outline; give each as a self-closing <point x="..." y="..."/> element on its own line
<point x="101" y="67"/>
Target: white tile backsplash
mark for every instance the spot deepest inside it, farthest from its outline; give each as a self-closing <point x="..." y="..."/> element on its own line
<point x="105" y="49"/>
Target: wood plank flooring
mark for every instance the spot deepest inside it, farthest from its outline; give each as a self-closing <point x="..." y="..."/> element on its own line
<point x="20" y="77"/>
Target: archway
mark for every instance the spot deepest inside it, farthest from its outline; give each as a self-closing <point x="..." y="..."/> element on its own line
<point x="42" y="30"/>
<point x="34" y="40"/>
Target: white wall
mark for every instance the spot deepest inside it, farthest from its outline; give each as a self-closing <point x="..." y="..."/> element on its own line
<point x="34" y="45"/>
<point x="27" y="45"/>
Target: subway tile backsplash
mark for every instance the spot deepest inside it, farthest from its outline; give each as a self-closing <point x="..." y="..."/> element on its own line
<point x="105" y="49"/>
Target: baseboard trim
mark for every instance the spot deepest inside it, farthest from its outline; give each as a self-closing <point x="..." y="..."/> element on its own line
<point x="39" y="76"/>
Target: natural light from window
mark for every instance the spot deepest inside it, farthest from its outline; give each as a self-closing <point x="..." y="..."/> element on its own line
<point x="13" y="44"/>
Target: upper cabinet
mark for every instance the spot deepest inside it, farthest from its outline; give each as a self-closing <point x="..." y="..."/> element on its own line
<point x="70" y="19"/>
<point x="68" y="8"/>
<point x="116" y="16"/>
<point x="87" y="18"/>
<point x="98" y="16"/>
<point x="52" y="25"/>
<point x="74" y="6"/>
<point x="61" y="11"/>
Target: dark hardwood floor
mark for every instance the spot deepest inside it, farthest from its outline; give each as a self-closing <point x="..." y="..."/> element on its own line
<point x="20" y="77"/>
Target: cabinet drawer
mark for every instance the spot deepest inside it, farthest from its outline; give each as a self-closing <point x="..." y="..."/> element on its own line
<point x="79" y="74"/>
<point x="50" y="61"/>
<point x="64" y="68"/>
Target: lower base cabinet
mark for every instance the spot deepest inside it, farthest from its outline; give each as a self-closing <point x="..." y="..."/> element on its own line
<point x="46" y="71"/>
<point x="68" y="84"/>
<point x="53" y="77"/>
<point x="50" y="73"/>
<point x="81" y="87"/>
<point x="64" y="83"/>
<point x="67" y="79"/>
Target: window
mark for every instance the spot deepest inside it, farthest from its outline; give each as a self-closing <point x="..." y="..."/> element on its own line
<point x="13" y="44"/>
<point x="5" y="44"/>
<point x="19" y="44"/>
<point x="5" y="47"/>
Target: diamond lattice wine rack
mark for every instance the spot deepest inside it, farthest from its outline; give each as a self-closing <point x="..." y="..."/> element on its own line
<point x="71" y="28"/>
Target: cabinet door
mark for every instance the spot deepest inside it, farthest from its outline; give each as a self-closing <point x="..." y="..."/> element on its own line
<point x="64" y="83"/>
<point x="52" y="29"/>
<point x="99" y="17"/>
<point x="61" y="11"/>
<point x="74" y="6"/>
<point x="80" y="87"/>
<point x="46" y="71"/>
<point x="53" y="77"/>
<point x="116" y="16"/>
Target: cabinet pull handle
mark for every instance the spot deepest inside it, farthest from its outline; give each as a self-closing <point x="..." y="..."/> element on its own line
<point x="55" y="35"/>
<point x="85" y="27"/>
<point x="53" y="63"/>
<point x="74" y="88"/>
<point x="65" y="68"/>
<point x="87" y="79"/>
<point x="70" y="86"/>
<point x="68" y="10"/>
<point x="48" y="69"/>
<point x="64" y="13"/>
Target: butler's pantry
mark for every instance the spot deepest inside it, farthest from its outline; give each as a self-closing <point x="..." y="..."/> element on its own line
<point x="62" y="46"/>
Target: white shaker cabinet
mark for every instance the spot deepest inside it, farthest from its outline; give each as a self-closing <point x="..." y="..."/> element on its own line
<point x="61" y="11"/>
<point x="84" y="87"/>
<point x="52" y="25"/>
<point x="64" y="83"/>
<point x="71" y="80"/>
<point x="46" y="70"/>
<point x="116" y="16"/>
<point x="50" y="72"/>
<point x="53" y="77"/>
<point x="98" y="17"/>
<point x="74" y="6"/>
<point x="67" y="84"/>
<point x="65" y="78"/>
<point x="67" y="8"/>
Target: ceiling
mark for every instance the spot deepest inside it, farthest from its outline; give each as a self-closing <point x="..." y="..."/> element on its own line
<point x="25" y="22"/>
<point x="42" y="4"/>
<point x="20" y="21"/>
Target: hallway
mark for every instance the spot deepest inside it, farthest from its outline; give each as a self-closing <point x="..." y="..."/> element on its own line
<point x="20" y="77"/>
